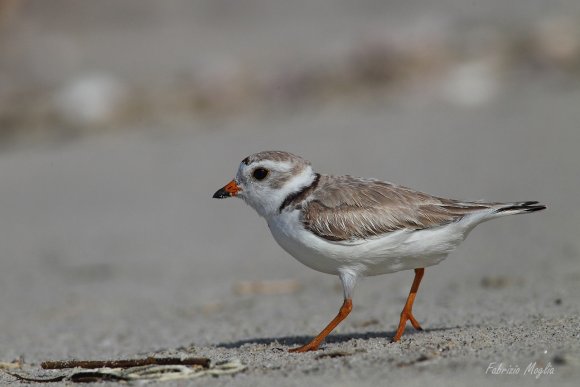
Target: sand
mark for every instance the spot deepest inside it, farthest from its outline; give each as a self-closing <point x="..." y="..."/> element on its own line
<point x="112" y="247"/>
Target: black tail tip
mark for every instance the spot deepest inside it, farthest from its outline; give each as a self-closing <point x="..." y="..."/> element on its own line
<point x="535" y="208"/>
<point x="526" y="204"/>
<point x="531" y="206"/>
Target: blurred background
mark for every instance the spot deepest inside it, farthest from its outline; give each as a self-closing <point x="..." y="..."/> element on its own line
<point x="120" y="119"/>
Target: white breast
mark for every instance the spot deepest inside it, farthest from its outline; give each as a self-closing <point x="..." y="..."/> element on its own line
<point x="395" y="251"/>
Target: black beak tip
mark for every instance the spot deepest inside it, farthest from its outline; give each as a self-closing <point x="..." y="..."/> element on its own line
<point x="221" y="194"/>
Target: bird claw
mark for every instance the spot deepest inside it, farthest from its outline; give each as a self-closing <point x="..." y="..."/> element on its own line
<point x="305" y="348"/>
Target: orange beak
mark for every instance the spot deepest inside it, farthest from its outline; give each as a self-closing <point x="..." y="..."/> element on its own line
<point x="230" y="189"/>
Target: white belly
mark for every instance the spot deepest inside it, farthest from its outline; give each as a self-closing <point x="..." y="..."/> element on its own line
<point x="396" y="251"/>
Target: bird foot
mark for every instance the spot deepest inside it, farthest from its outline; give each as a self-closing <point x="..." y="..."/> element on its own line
<point x="312" y="346"/>
<point x="405" y="316"/>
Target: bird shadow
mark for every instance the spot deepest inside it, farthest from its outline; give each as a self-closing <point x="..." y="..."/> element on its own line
<point x="331" y="339"/>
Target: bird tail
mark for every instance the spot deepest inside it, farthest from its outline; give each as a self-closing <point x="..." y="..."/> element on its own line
<point x="497" y="210"/>
<point x="518" y="208"/>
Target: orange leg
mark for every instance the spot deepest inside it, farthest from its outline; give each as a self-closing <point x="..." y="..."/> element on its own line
<point x="313" y="345"/>
<point x="407" y="313"/>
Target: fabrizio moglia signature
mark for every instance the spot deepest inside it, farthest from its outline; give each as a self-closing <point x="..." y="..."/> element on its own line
<point x="533" y="369"/>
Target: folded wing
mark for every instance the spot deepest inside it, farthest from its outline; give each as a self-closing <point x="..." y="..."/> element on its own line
<point x="347" y="208"/>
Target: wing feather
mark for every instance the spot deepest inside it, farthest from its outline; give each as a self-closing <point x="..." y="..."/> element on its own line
<point x="348" y="208"/>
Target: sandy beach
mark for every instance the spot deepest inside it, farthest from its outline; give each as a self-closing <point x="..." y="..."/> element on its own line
<point x="111" y="246"/>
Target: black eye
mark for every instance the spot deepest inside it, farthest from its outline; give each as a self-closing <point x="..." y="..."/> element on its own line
<point x="260" y="173"/>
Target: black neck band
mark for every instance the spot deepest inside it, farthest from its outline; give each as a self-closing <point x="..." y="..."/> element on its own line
<point x="298" y="196"/>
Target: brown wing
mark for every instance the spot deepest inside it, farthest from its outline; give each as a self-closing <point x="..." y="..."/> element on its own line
<point x="349" y="208"/>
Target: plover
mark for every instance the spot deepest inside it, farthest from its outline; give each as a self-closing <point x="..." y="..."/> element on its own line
<point x="354" y="227"/>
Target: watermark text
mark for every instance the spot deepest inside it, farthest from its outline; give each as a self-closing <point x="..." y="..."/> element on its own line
<point x="532" y="369"/>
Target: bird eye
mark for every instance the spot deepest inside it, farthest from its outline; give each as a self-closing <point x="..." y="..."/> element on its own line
<point x="260" y="173"/>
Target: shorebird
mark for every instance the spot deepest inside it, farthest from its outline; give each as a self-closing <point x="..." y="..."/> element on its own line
<point x="354" y="227"/>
